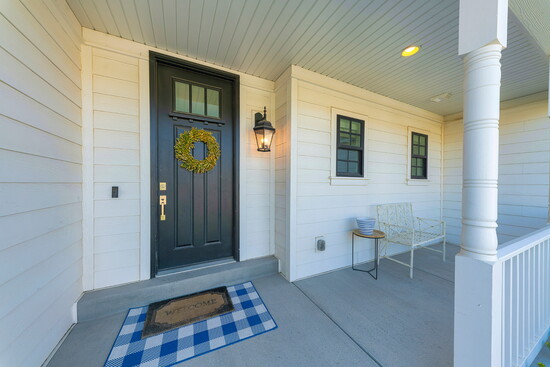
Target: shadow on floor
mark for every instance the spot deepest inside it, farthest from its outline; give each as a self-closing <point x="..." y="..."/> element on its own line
<point x="342" y="318"/>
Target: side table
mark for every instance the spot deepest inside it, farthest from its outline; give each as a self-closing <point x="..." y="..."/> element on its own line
<point x="376" y="235"/>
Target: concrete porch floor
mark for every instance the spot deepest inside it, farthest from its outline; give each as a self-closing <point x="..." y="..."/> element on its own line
<point x="342" y="318"/>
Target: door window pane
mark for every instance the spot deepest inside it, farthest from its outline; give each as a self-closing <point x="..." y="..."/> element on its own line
<point x="197" y="102"/>
<point x="181" y="97"/>
<point x="212" y="103"/>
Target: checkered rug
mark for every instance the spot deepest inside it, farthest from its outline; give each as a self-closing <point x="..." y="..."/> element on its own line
<point x="250" y="318"/>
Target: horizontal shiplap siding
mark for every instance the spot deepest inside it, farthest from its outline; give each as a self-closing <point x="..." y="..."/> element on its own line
<point x="116" y="108"/>
<point x="330" y="211"/>
<point x="258" y="240"/>
<point x="40" y="177"/>
<point x="524" y="172"/>
<point x="281" y="176"/>
<point x="116" y="162"/>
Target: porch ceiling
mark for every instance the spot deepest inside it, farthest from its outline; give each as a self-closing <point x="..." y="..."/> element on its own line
<point x="356" y="41"/>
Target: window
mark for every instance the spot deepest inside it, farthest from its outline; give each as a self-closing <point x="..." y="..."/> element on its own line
<point x="419" y="156"/>
<point x="349" y="140"/>
<point x="196" y="99"/>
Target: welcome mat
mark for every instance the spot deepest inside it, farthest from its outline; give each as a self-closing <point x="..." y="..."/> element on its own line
<point x="249" y="318"/>
<point x="176" y="312"/>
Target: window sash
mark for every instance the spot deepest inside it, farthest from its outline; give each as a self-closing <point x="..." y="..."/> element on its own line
<point x="423" y="167"/>
<point x="349" y="147"/>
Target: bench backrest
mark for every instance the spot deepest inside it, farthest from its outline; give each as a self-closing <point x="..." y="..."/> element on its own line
<point x="396" y="213"/>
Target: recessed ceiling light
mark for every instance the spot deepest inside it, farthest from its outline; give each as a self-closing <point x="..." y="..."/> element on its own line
<point x="409" y="51"/>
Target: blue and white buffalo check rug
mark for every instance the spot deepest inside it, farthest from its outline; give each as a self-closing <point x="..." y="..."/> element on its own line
<point x="249" y="318"/>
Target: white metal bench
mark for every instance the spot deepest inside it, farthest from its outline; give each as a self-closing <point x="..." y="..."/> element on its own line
<point x="401" y="227"/>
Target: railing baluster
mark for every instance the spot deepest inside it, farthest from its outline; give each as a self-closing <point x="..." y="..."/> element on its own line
<point x="525" y="296"/>
<point x="508" y="315"/>
<point x="517" y="314"/>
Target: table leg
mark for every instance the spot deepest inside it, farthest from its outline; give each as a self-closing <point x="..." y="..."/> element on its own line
<point x="375" y="269"/>
<point x="353" y="251"/>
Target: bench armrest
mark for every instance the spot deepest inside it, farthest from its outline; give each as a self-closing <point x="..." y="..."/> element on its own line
<point x="392" y="229"/>
<point x="431" y="224"/>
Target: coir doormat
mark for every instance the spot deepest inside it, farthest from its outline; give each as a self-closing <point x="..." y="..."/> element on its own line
<point x="176" y="312"/>
<point x="249" y="318"/>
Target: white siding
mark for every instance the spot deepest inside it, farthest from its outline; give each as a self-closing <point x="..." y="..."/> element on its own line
<point x="281" y="143"/>
<point x="118" y="84"/>
<point x="115" y="95"/>
<point x="329" y="210"/>
<point x="259" y="180"/>
<point x="40" y="178"/>
<point x="524" y="172"/>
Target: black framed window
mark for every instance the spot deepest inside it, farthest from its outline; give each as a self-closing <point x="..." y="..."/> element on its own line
<point x="419" y="156"/>
<point x="349" y="153"/>
<point x="196" y="99"/>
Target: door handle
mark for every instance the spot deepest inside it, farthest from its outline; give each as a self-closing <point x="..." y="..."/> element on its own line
<point x="162" y="202"/>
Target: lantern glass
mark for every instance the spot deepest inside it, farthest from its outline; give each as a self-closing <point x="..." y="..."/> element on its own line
<point x="264" y="136"/>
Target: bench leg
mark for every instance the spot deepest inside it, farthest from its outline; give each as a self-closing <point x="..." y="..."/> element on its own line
<point x="444" y="258"/>
<point x="412" y="262"/>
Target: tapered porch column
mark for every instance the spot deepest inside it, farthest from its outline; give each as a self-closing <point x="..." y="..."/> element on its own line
<point x="480" y="164"/>
<point x="478" y="274"/>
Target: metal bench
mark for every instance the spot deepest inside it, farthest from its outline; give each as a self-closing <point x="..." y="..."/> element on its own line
<point x="401" y="227"/>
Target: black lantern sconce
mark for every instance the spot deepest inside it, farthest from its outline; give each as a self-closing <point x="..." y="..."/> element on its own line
<point x="264" y="132"/>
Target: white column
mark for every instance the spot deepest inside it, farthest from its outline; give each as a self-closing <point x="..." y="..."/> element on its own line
<point x="481" y="141"/>
<point x="478" y="274"/>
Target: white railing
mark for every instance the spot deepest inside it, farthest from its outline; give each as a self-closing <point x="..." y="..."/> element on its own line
<point x="525" y="296"/>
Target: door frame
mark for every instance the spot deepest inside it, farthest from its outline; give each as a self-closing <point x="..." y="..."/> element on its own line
<point x="155" y="59"/>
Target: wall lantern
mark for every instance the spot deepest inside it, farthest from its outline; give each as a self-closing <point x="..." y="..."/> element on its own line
<point x="264" y="132"/>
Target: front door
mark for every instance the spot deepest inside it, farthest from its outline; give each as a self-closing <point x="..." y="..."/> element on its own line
<point x="193" y="213"/>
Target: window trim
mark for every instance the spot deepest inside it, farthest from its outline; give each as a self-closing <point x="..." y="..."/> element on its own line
<point x="409" y="179"/>
<point x="347" y="180"/>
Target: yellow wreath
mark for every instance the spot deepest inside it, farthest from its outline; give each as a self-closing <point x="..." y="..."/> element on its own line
<point x="186" y="143"/>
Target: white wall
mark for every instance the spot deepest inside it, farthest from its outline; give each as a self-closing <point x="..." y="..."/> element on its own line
<point x="284" y="172"/>
<point x="328" y="208"/>
<point x="115" y="157"/>
<point x="40" y="177"/>
<point x="118" y="245"/>
<point x="524" y="171"/>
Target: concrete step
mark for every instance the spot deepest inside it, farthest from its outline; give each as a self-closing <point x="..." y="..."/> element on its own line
<point x="105" y="302"/>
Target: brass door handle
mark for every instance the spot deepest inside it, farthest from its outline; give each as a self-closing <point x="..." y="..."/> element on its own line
<point x="162" y="202"/>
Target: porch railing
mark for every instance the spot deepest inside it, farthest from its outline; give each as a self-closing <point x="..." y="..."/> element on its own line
<point x="525" y="296"/>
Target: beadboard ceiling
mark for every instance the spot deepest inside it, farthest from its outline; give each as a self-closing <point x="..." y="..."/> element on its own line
<point x="355" y="41"/>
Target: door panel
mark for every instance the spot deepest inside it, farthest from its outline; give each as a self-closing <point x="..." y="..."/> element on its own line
<point x="199" y="224"/>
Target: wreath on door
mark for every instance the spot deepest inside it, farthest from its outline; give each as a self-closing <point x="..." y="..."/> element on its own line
<point x="185" y="144"/>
